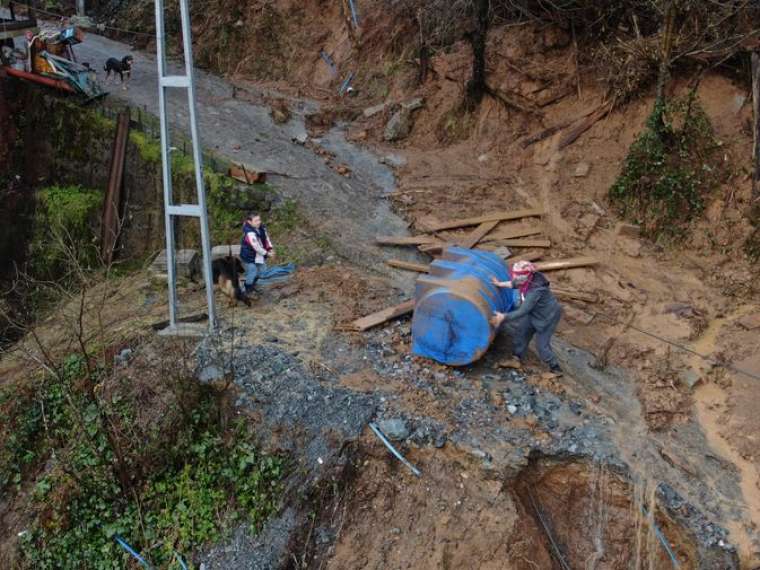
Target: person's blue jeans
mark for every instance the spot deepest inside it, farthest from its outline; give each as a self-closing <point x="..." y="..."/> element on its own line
<point x="254" y="272"/>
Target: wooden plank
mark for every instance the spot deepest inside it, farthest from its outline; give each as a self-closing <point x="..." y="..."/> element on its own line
<point x="472" y="240"/>
<point x="515" y="232"/>
<point x="495" y="216"/>
<point x="575" y="295"/>
<point x="405" y="240"/>
<point x="408" y="265"/>
<point x="375" y="319"/>
<point x="432" y="248"/>
<point x="566" y="263"/>
<point x="531" y="255"/>
<point x="243" y="174"/>
<point x="518" y="243"/>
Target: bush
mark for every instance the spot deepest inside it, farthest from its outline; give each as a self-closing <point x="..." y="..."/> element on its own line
<point x="65" y="230"/>
<point x="669" y="169"/>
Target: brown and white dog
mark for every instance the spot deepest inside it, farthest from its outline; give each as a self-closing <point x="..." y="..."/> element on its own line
<point x="226" y="272"/>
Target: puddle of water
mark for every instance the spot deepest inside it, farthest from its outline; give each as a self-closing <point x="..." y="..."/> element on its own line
<point x="710" y="403"/>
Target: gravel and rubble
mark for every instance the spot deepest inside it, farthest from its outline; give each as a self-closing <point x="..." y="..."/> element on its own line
<point x="500" y="418"/>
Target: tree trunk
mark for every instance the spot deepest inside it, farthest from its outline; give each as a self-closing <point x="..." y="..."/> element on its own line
<point x="666" y="47"/>
<point x="476" y="87"/>
<point x="756" y="134"/>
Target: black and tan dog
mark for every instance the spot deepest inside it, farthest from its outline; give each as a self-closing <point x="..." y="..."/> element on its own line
<point x="226" y="272"/>
<point x="120" y="68"/>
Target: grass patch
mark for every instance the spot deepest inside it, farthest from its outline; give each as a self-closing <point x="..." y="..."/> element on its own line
<point x="64" y="230"/>
<point x="166" y="486"/>
<point x="670" y="168"/>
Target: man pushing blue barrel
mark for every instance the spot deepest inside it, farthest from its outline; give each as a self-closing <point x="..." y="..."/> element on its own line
<point x="538" y="313"/>
<point x="462" y="303"/>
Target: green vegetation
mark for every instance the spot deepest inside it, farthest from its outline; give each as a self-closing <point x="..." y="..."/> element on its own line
<point x="669" y="170"/>
<point x="225" y="206"/>
<point x="95" y="469"/>
<point x="66" y="216"/>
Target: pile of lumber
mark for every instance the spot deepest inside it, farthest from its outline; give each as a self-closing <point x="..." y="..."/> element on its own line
<point x="495" y="231"/>
<point x="499" y="232"/>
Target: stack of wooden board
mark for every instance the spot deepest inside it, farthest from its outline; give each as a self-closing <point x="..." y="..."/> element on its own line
<point x="500" y="232"/>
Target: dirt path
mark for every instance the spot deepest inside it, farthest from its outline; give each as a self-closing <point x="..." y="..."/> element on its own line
<point x="349" y="211"/>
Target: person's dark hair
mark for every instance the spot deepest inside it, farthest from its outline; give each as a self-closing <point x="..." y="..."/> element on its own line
<point x="250" y="215"/>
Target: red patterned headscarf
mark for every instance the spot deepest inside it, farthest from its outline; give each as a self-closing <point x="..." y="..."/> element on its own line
<point x="522" y="269"/>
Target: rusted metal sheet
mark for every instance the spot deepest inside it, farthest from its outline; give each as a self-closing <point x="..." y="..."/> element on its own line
<point x="111" y="222"/>
<point x="49" y="81"/>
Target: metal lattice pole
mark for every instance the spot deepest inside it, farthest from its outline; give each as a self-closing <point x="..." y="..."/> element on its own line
<point x="172" y="210"/>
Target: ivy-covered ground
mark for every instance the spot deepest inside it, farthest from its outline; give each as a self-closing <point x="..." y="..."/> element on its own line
<point x="100" y="458"/>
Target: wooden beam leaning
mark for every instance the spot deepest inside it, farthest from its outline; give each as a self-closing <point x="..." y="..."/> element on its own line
<point x="482" y="230"/>
<point x="408" y="265"/>
<point x="378" y="318"/>
<point x="496" y="216"/>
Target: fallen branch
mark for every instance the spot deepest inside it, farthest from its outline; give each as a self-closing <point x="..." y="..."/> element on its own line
<point x="546" y="133"/>
<point x="573" y="134"/>
<point x="511" y="100"/>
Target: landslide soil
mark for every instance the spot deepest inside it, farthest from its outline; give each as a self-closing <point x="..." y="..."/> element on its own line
<point x="693" y="293"/>
<point x="459" y="165"/>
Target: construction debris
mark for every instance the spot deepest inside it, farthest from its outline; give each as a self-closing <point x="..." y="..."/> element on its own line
<point x="247" y="175"/>
<point x="398" y="264"/>
<point x="472" y="240"/>
<point x="522" y="243"/>
<point x="566" y="263"/>
<point x="496" y="216"/>
<point x="370" y="321"/>
<point x="111" y="221"/>
<point x="405" y="240"/>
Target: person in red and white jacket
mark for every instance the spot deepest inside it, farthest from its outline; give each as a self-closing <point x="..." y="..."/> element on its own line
<point x="255" y="248"/>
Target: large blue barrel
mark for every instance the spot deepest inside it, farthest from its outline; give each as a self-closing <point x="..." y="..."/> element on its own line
<point x="454" y="305"/>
